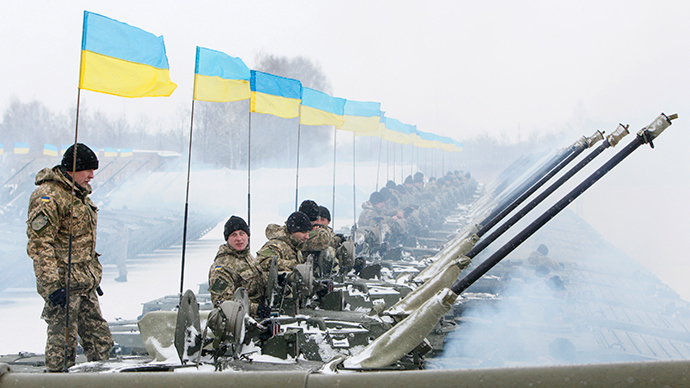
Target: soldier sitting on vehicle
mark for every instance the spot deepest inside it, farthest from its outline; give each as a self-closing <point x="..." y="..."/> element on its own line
<point x="282" y="252"/>
<point x="235" y="267"/>
<point x="321" y="244"/>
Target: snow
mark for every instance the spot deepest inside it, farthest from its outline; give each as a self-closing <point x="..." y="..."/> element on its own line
<point x="155" y="275"/>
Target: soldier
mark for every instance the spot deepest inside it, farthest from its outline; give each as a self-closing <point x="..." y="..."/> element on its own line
<point x="373" y="210"/>
<point x="235" y="267"/>
<point x="56" y="217"/>
<point x="285" y="243"/>
<point x="319" y="237"/>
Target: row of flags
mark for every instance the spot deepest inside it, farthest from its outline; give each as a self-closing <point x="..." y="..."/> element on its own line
<point x="52" y="150"/>
<point x="123" y="60"/>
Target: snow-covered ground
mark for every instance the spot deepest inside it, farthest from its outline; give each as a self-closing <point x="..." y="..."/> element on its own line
<point x="623" y="208"/>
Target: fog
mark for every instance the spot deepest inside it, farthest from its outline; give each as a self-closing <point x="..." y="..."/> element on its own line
<point x="487" y="74"/>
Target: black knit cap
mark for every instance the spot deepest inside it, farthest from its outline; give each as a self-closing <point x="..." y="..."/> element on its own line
<point x="324" y="213"/>
<point x="418" y="177"/>
<point x="311" y="209"/>
<point x="376" y="197"/>
<point x="408" y="179"/>
<point x="234" y="224"/>
<point x="391" y="185"/>
<point x="386" y="192"/>
<point x="86" y="159"/>
<point x="298" y="222"/>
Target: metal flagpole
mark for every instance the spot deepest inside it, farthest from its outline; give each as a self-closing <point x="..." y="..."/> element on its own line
<point x="354" y="199"/>
<point x="186" y="201"/>
<point x="378" y="165"/>
<point x="299" y="130"/>
<point x="335" y="133"/>
<point x="69" y="242"/>
<point x="249" y="170"/>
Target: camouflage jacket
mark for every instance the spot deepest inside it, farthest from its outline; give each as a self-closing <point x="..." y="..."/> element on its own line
<point x="50" y="210"/>
<point x="232" y="269"/>
<point x="320" y="238"/>
<point x="283" y="246"/>
<point x="370" y="216"/>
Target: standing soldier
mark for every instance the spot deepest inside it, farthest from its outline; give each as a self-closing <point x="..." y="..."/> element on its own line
<point x="58" y="216"/>
<point x="235" y="267"/>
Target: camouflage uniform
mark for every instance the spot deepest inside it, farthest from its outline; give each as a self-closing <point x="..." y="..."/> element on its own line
<point x="283" y="246"/>
<point x="232" y="269"/>
<point x="323" y="240"/>
<point x="320" y="238"/>
<point x="370" y="216"/>
<point x="48" y="232"/>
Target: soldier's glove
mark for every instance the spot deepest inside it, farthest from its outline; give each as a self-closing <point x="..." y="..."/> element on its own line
<point x="263" y="310"/>
<point x="58" y="297"/>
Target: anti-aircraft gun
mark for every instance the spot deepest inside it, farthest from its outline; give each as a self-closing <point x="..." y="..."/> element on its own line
<point x="409" y="332"/>
<point x="418" y="311"/>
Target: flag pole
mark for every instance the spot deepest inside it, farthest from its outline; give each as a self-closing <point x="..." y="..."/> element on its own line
<point x="402" y="160"/>
<point x="299" y="130"/>
<point x="71" y="229"/>
<point x="354" y="200"/>
<point x="186" y="201"/>
<point x="335" y="133"/>
<point x="378" y="165"/>
<point x="388" y="162"/>
<point x="249" y="169"/>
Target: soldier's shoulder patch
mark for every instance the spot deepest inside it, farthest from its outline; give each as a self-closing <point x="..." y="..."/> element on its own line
<point x="39" y="222"/>
<point x="45" y="199"/>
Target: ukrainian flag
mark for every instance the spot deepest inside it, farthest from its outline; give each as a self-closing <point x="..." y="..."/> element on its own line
<point x="126" y="152"/>
<point x="274" y="95"/>
<point x="318" y="108"/>
<point x="123" y="60"/>
<point x="426" y="140"/>
<point x="398" y="132"/>
<point x="50" y="150"/>
<point x="361" y="116"/>
<point x="110" y="152"/>
<point x="2" y="149"/>
<point x="21" y="148"/>
<point x="219" y="77"/>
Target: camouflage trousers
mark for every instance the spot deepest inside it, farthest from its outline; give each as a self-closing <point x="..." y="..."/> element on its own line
<point x="85" y="320"/>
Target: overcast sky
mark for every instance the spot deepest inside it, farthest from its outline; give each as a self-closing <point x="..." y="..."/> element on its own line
<point x="457" y="68"/>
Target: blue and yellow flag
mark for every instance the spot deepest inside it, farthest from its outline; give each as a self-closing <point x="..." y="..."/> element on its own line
<point x="123" y="60"/>
<point x="50" y="150"/>
<point x="2" y="148"/>
<point x="126" y="152"/>
<point x="21" y="148"/>
<point x="274" y="95"/>
<point x="318" y="108"/>
<point x="398" y="132"/>
<point x="109" y="152"/>
<point x="219" y="77"/>
<point x="361" y="116"/>
<point x="426" y="140"/>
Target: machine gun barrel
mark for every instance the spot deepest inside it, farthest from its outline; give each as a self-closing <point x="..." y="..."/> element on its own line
<point x="645" y="135"/>
<point x="409" y="332"/>
<point x="466" y="240"/>
<point x="610" y="141"/>
<point x="537" y="182"/>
